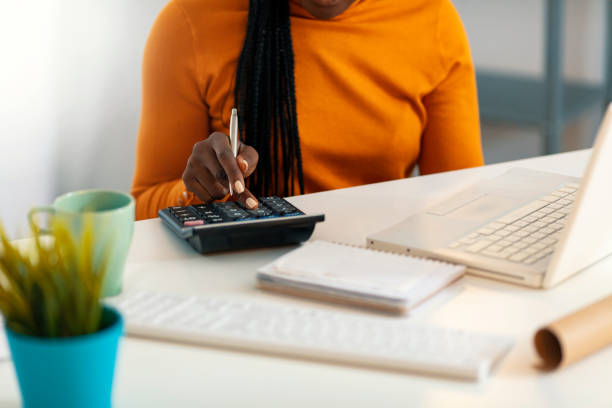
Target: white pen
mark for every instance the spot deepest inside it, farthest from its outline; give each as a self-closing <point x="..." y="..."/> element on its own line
<point x="233" y="134"/>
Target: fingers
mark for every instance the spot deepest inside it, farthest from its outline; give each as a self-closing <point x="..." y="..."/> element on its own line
<point x="212" y="167"/>
<point x="201" y="182"/>
<point x="248" y="199"/>
<point x="225" y="157"/>
<point x="247" y="159"/>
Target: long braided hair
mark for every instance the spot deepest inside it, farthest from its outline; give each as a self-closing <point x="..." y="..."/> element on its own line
<point x="265" y="97"/>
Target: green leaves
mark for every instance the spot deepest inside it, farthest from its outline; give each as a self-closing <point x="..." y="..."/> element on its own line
<point x="54" y="288"/>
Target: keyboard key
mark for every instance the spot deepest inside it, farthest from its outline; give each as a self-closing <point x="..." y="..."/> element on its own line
<point x="504" y="243"/>
<point x="573" y="185"/>
<point x="509" y="251"/>
<point x="520" y="245"/>
<point x="568" y="190"/>
<point x="522" y="212"/>
<point x="496" y="225"/>
<point x="547" y="210"/>
<point x="518" y="257"/>
<point x="559" y="193"/>
<point x="493" y="254"/>
<point x="492" y="238"/>
<point x="468" y="241"/>
<point x="549" y="241"/>
<point x="549" y="198"/>
<point x="500" y="255"/>
<point x="539" y="245"/>
<point x="478" y="246"/>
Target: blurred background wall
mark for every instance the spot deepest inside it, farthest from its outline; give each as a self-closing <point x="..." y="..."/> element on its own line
<point x="70" y="87"/>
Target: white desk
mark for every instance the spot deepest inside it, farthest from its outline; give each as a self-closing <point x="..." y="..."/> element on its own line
<point x="156" y="374"/>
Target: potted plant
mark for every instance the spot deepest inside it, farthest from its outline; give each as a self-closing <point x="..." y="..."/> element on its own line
<point x="63" y="340"/>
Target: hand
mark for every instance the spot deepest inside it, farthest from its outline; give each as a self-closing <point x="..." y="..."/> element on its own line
<point x="212" y="166"/>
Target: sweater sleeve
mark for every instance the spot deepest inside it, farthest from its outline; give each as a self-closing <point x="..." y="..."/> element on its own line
<point x="174" y="116"/>
<point x="451" y="139"/>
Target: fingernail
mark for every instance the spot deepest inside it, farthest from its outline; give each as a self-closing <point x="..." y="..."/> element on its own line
<point x="251" y="203"/>
<point x="238" y="187"/>
<point x="244" y="164"/>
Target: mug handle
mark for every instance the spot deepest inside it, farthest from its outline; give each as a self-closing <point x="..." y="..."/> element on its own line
<point x="35" y="210"/>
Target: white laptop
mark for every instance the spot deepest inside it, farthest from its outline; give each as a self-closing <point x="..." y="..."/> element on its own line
<point x="528" y="227"/>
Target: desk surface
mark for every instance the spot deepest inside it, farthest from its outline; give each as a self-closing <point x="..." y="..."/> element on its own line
<point x="156" y="374"/>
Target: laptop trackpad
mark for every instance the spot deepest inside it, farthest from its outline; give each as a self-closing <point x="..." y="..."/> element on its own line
<point x="485" y="207"/>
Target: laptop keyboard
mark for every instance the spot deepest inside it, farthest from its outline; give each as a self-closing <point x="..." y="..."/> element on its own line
<point x="525" y="235"/>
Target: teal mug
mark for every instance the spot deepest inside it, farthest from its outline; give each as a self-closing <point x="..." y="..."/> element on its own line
<point x="112" y="216"/>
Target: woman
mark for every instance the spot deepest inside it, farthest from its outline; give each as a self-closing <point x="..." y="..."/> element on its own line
<point x="330" y="94"/>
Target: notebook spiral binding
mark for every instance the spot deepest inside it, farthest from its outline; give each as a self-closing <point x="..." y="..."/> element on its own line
<point x="421" y="258"/>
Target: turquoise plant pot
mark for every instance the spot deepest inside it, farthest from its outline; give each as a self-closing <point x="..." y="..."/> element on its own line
<point x="68" y="372"/>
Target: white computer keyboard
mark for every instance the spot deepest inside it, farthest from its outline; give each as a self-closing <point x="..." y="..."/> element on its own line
<point x="525" y="235"/>
<point x="318" y="334"/>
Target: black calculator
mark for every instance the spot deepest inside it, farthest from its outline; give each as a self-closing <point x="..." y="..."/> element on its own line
<point x="229" y="225"/>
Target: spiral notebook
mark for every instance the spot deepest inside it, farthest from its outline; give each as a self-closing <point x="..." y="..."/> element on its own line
<point x="358" y="276"/>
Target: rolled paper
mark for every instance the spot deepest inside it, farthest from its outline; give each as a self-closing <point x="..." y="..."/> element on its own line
<point x="575" y="336"/>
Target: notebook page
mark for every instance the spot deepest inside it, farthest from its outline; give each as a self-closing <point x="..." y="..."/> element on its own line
<point x="356" y="268"/>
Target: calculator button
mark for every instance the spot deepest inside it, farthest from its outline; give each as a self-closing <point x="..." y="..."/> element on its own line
<point x="179" y="213"/>
<point x="193" y="223"/>
<point x="260" y="212"/>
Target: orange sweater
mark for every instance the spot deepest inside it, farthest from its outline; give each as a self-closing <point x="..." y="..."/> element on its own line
<point x="384" y="86"/>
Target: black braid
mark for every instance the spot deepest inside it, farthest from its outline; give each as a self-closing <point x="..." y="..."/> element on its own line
<point x="265" y="98"/>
